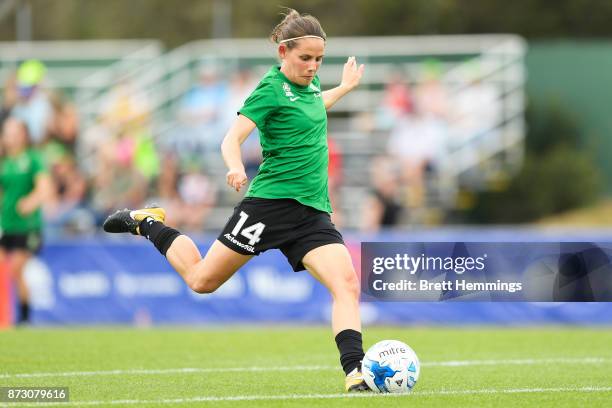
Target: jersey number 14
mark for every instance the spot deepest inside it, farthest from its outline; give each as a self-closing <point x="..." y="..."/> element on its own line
<point x="252" y="233"/>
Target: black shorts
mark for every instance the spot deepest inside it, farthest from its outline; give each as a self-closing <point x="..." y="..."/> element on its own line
<point x="259" y="224"/>
<point x="28" y="241"/>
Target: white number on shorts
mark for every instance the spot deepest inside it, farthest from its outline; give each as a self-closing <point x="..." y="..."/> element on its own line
<point x="252" y="233"/>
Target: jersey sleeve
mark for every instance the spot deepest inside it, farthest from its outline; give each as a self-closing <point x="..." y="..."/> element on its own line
<point x="39" y="165"/>
<point x="260" y="104"/>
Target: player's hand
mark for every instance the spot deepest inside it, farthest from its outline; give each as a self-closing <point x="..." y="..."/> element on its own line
<point x="236" y="178"/>
<point x="351" y="74"/>
<point x="26" y="206"/>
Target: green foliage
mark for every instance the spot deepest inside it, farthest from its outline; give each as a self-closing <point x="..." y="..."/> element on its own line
<point x="559" y="180"/>
<point x="181" y="21"/>
<point x="557" y="175"/>
<point x="550" y="125"/>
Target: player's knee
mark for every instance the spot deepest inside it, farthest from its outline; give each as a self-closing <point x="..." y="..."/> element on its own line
<point x="348" y="285"/>
<point x="200" y="285"/>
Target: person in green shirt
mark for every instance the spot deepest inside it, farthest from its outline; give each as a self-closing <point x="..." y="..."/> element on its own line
<point x="287" y="204"/>
<point x="24" y="183"/>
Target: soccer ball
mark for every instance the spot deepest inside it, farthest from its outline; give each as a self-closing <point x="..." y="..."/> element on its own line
<point x="390" y="366"/>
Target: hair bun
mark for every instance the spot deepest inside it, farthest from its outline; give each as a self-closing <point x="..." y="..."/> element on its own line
<point x="295" y="25"/>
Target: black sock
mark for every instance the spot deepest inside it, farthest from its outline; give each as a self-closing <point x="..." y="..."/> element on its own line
<point x="351" y="349"/>
<point x="24" y="312"/>
<point x="160" y="235"/>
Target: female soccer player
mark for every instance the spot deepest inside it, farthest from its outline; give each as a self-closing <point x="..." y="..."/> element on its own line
<point x="24" y="183"/>
<point x="287" y="204"/>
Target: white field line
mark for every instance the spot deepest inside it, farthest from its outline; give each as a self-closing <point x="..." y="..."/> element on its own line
<point x="415" y="394"/>
<point x="188" y="370"/>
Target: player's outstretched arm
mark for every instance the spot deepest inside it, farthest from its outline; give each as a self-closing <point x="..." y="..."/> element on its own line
<point x="351" y="75"/>
<point x="230" y="149"/>
<point x="42" y="192"/>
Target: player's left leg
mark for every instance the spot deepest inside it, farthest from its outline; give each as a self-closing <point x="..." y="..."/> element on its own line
<point x="331" y="264"/>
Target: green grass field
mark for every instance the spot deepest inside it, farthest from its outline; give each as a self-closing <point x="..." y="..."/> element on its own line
<point x="286" y="366"/>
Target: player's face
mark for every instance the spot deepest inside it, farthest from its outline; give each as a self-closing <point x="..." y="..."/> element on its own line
<point x="13" y="135"/>
<point x="301" y="63"/>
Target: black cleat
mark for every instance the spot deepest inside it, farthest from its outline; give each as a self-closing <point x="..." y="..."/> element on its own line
<point x="129" y="220"/>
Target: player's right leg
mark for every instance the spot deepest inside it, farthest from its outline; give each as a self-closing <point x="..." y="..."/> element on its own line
<point x="203" y="275"/>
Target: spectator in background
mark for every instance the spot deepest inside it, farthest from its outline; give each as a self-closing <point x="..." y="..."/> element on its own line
<point x="202" y="124"/>
<point x="418" y="139"/>
<point x="9" y="98"/>
<point x="397" y="101"/>
<point x="33" y="105"/>
<point x="125" y="105"/>
<point x="167" y="188"/>
<point x="145" y="158"/>
<point x="64" y="127"/>
<point x="124" y="109"/>
<point x="417" y="143"/>
<point x="25" y="186"/>
<point x="477" y="109"/>
<point x="124" y="160"/>
<point x="190" y="193"/>
<point x="118" y="182"/>
<point x="198" y="196"/>
<point x="65" y="211"/>
<point x="430" y="94"/>
<point x="383" y="208"/>
<point x="242" y="84"/>
<point x="91" y="141"/>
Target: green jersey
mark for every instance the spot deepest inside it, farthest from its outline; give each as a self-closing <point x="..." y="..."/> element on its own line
<point x="292" y="123"/>
<point x="17" y="180"/>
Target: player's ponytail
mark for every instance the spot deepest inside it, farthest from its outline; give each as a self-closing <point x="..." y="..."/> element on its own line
<point x="295" y="26"/>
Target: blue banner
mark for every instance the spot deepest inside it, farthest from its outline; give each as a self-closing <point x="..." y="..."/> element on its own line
<point x="126" y="281"/>
<point x="130" y="282"/>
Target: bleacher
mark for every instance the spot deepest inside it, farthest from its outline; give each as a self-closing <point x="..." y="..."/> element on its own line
<point x="73" y="65"/>
<point x="88" y="72"/>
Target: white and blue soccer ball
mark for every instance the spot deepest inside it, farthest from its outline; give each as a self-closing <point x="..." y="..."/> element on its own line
<point x="390" y="366"/>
